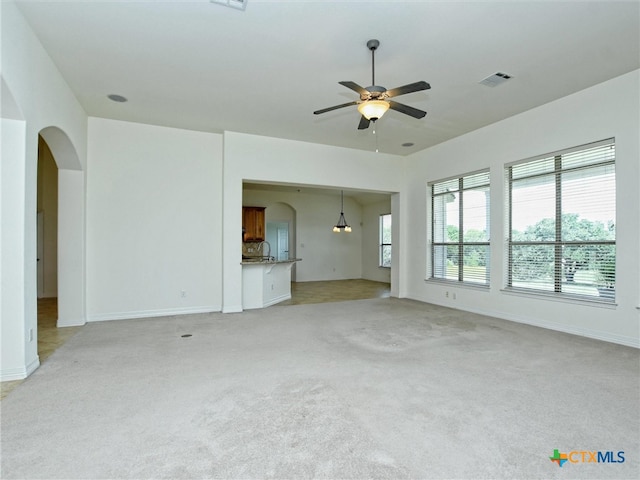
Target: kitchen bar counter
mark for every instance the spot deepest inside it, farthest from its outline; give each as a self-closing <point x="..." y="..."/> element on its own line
<point x="265" y="283"/>
<point x="260" y="261"/>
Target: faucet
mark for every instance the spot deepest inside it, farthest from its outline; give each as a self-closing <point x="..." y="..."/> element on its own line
<point x="268" y="255"/>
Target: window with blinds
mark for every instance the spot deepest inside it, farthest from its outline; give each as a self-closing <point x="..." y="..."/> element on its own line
<point x="460" y="229"/>
<point x="561" y="232"/>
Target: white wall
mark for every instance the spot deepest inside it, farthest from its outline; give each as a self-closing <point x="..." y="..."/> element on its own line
<point x="43" y="99"/>
<point x="610" y="109"/>
<point x="325" y="255"/>
<point x="153" y="220"/>
<point x="371" y="241"/>
<point x="13" y="351"/>
<point x="256" y="158"/>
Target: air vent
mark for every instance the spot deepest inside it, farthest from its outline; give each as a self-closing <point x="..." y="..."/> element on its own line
<point x="495" y="79"/>
<point x="237" y="4"/>
<point x="117" y="98"/>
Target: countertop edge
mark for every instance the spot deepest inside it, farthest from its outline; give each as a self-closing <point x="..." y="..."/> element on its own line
<point x="264" y="262"/>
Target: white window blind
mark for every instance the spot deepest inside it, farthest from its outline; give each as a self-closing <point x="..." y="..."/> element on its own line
<point x="562" y="212"/>
<point x="460" y="229"/>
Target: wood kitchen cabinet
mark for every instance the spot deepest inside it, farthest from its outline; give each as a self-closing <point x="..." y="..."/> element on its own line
<point x="253" y="224"/>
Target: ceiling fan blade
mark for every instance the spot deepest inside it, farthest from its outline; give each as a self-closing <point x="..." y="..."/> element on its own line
<point x="364" y="123"/>
<point x="406" y="109"/>
<point x="412" y="87"/>
<point x="355" y="87"/>
<point x="324" y="110"/>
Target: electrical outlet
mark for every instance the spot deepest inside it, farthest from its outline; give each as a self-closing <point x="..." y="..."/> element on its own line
<point x="446" y="294"/>
<point x="183" y="293"/>
<point x="454" y="296"/>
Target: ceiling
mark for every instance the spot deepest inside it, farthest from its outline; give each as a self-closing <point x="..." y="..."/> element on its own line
<point x="202" y="66"/>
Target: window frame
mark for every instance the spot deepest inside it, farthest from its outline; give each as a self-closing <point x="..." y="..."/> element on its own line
<point x="381" y="243"/>
<point x="557" y="243"/>
<point x="460" y="244"/>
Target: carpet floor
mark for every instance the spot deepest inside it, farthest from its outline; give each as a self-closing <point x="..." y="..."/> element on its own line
<point x="382" y="388"/>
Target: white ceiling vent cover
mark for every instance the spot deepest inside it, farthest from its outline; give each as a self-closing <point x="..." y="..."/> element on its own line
<point x="495" y="79"/>
<point x="237" y="4"/>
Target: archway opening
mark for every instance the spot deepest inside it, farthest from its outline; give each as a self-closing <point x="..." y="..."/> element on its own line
<point x="47" y="250"/>
<point x="280" y="232"/>
<point x="60" y="240"/>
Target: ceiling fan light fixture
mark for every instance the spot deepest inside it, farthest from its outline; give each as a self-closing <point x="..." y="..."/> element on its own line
<point x="373" y="109"/>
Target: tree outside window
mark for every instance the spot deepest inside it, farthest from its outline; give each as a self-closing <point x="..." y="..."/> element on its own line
<point x="562" y="214"/>
<point x="385" y="240"/>
<point x="460" y="229"/>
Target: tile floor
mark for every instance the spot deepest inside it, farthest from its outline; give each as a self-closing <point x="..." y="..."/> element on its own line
<point x="336" y="291"/>
<point x="50" y="337"/>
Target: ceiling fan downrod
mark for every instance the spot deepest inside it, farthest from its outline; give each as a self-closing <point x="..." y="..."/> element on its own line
<point x="373" y="45"/>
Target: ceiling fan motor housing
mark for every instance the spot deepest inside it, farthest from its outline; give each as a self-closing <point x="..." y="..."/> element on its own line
<point x="375" y="92"/>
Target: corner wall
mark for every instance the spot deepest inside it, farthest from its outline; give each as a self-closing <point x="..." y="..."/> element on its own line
<point x="43" y="99"/>
<point x="610" y="109"/>
<point x="154" y="222"/>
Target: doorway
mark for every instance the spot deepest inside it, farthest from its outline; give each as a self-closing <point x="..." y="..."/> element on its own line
<point x="278" y="237"/>
<point x="47" y="222"/>
<point x="60" y="196"/>
<point x="280" y="223"/>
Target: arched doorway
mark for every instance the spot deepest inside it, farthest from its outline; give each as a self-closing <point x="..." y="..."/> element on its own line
<point x="47" y="218"/>
<point x="70" y="243"/>
<point x="280" y="219"/>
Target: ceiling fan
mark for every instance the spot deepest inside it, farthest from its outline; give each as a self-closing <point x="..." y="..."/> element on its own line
<point x="374" y="100"/>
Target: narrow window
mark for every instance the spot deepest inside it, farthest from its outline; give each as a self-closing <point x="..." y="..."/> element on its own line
<point x="460" y="229"/>
<point x="385" y="241"/>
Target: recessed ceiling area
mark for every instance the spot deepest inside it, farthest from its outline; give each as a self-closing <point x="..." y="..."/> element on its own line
<point x="264" y="70"/>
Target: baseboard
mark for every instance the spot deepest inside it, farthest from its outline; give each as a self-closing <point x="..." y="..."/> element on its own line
<point x="151" y="313"/>
<point x="582" y="332"/>
<point x="71" y="323"/>
<point x="232" y="309"/>
<point x="279" y="299"/>
<point x="19" y="373"/>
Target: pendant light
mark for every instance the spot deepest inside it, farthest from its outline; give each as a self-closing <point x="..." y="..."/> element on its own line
<point x="342" y="222"/>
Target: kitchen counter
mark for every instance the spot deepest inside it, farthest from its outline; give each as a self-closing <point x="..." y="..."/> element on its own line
<point x="262" y="261"/>
<point x="266" y="282"/>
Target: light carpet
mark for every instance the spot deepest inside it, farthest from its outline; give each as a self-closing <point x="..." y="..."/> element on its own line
<point x="383" y="388"/>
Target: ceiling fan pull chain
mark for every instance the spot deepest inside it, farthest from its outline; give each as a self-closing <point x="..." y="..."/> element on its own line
<point x="376" y="136"/>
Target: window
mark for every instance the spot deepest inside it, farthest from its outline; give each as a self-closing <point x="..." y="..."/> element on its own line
<point x="385" y="240"/>
<point x="561" y="232"/>
<point x="460" y="229"/>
